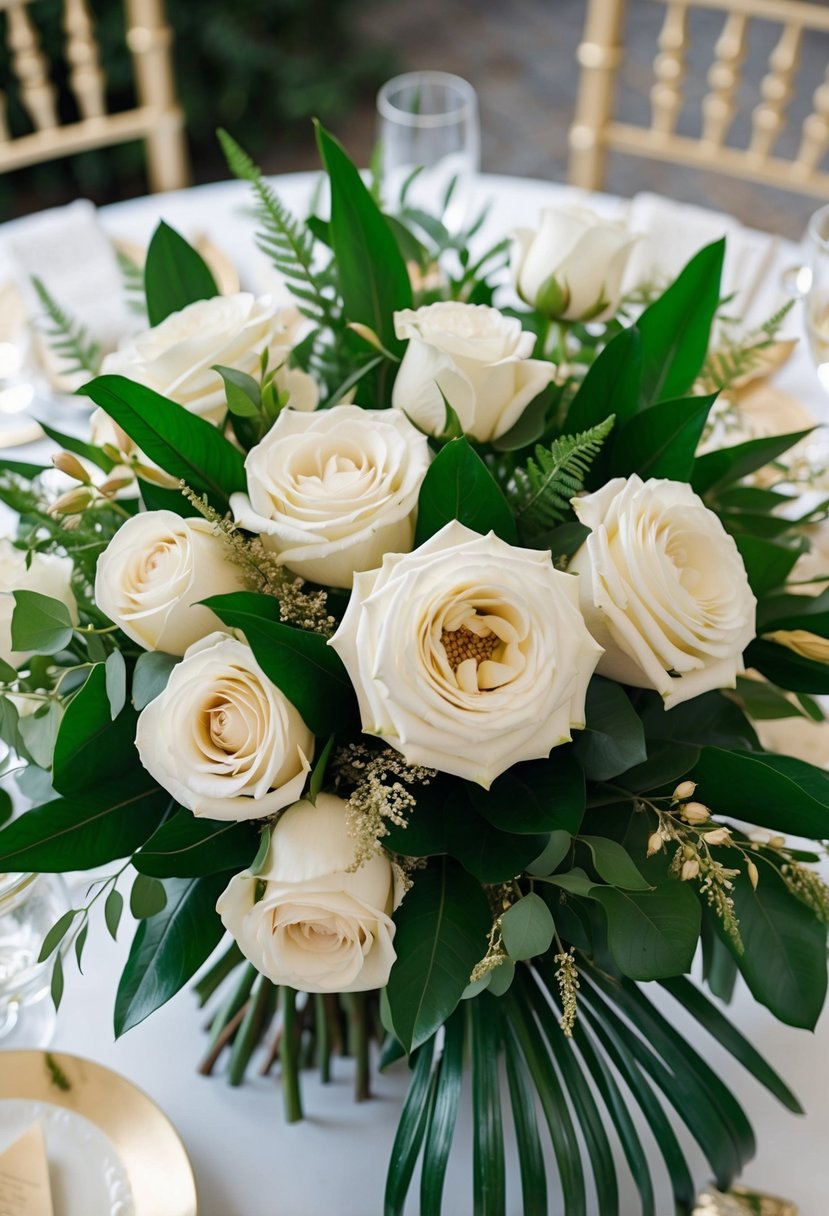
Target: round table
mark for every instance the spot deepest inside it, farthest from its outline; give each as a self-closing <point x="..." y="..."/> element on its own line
<point x="247" y="1161"/>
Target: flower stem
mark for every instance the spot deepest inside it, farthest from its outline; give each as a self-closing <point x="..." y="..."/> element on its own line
<point x="358" y="1036"/>
<point x="323" y="1038"/>
<point x="289" y="1056"/>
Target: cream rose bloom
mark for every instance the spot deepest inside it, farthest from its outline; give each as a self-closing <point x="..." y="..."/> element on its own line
<point x="154" y="572"/>
<point x="477" y="358"/>
<point x="221" y="738"/>
<point x="663" y="588"/>
<point x="571" y="266"/>
<point x="331" y="492"/>
<point x="47" y="574"/>
<point x="469" y="654"/>
<point x="176" y="357"/>
<point x="319" y="926"/>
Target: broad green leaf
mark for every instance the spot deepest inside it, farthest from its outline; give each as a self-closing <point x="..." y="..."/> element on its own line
<point x="787" y="669"/>
<point x="22" y="468"/>
<point x="6" y="806"/>
<point x="425" y="833"/>
<point x="147" y="897"/>
<point x="301" y="664"/>
<point x="8" y="675"/>
<point x="784" y="611"/>
<point x="675" y="329"/>
<point x="57" y="933"/>
<point x="611" y="385"/>
<point x="88" y="830"/>
<point x="116" y="682"/>
<point x="666" y="764"/>
<point x="169" y="948"/>
<point x="773" y="791"/>
<point x="710" y="718"/>
<point x="152" y="671"/>
<point x="531" y="425"/>
<point x="535" y="796"/>
<point x="487" y="852"/>
<point x="183" y="445"/>
<point x="557" y="848"/>
<point x="613" y="739"/>
<point x="501" y="978"/>
<point x="372" y="275"/>
<point x="614" y="864"/>
<point x="40" y="623"/>
<point x="458" y="485"/>
<point x="90" y="747"/>
<point x="79" y="447"/>
<point x="175" y="275"/>
<point x="651" y="934"/>
<point x="159" y="498"/>
<point x="244" y="398"/>
<point x="187" y="847"/>
<point x="724" y="466"/>
<point x="765" y="701"/>
<point x="767" y="564"/>
<point x="113" y="909"/>
<point x="661" y="441"/>
<point x="442" y="926"/>
<point x="527" y="928"/>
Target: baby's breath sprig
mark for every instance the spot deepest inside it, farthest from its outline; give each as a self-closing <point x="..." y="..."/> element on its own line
<point x="380" y="793"/>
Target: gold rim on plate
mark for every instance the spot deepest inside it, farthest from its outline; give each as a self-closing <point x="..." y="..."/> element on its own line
<point x="145" y="1140"/>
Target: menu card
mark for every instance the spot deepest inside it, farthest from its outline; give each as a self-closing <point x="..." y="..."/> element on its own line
<point x="24" y="1176"/>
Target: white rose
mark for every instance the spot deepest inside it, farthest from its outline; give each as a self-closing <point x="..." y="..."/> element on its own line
<point x="663" y="588"/>
<point x="477" y="358"/>
<point x="571" y="267"/>
<point x="319" y="926"/>
<point x="48" y="574"/>
<point x="177" y="356"/>
<point x="154" y="572"/>
<point x="221" y="738"/>
<point x="331" y="492"/>
<point x="469" y="654"/>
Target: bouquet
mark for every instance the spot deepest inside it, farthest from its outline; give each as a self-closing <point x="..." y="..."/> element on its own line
<point x="420" y="650"/>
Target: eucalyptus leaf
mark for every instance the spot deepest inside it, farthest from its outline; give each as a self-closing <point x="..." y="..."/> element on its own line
<point x="40" y="624"/>
<point x="527" y="928"/>
<point x="116" y="682"/>
<point x="614" y="864"/>
<point x="113" y="909"/>
<point x="651" y="934"/>
<point x="152" y="671"/>
<point x="147" y="897"/>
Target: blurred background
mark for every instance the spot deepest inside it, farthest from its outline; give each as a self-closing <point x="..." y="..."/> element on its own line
<point x="261" y="68"/>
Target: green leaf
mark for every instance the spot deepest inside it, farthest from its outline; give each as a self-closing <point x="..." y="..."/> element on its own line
<point x="535" y="796"/>
<point x="530" y="426"/>
<point x="675" y="329"/>
<point x="773" y="791"/>
<point x="116" y="682"/>
<point x="553" y="477"/>
<point x="40" y="623"/>
<point x="558" y="846"/>
<point x="183" y="445"/>
<point x="8" y="675"/>
<point x="530" y="1153"/>
<point x="666" y="764"/>
<point x="244" y="398"/>
<point x="57" y="982"/>
<point x="159" y="498"/>
<point x="85" y="831"/>
<point x="317" y="778"/>
<point x="458" y="485"/>
<point x="784" y="961"/>
<point x="372" y="275"/>
<point x="175" y="275"/>
<point x="39" y="732"/>
<point x="71" y="443"/>
<point x="527" y="928"/>
<point x="113" y="909"/>
<point x="411" y="1128"/>
<point x="302" y="665"/>
<point x="80" y="943"/>
<point x="152" y="671"/>
<point x="6" y="806"/>
<point x="767" y="565"/>
<point x="56" y="934"/>
<point x="442" y="926"/>
<point x="662" y="441"/>
<point x="651" y="934"/>
<point x="147" y="897"/>
<point x="485" y="851"/>
<point x="169" y="948"/>
<point x="711" y="718"/>
<point x="723" y="467"/>
<point x="614" y="864"/>
<point x="613" y="739"/>
<point x="488" y="1168"/>
<point x="611" y="385"/>
<point x="443" y="1115"/>
<point x="188" y="847"/>
<point x="787" y="669"/>
<point x="425" y="833"/>
<point x="90" y="747"/>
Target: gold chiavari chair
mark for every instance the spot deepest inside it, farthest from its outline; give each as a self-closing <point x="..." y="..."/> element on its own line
<point x="595" y="131"/>
<point x="156" y="119"/>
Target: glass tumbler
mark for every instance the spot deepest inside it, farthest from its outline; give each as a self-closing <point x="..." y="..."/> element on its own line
<point x="29" y="905"/>
<point x="428" y="121"/>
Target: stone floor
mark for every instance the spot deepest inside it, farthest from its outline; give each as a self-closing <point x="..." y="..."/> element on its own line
<point x="520" y="56"/>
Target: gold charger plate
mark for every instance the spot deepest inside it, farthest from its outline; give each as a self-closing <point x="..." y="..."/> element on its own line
<point x="148" y="1145"/>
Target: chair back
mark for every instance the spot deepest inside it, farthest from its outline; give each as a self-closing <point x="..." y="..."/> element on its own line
<point x="156" y="118"/>
<point x="595" y="130"/>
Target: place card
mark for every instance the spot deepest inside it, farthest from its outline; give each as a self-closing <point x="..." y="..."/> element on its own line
<point x="24" y="1176"/>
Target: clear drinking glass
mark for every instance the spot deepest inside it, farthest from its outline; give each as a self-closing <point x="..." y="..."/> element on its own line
<point x="429" y="121"/>
<point x="817" y="295"/>
<point x="29" y="905"/>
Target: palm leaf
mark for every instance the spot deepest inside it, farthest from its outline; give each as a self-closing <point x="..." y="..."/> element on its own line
<point x="553" y="476"/>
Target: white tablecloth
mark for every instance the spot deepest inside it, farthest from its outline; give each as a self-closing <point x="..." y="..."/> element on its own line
<point x="247" y="1162"/>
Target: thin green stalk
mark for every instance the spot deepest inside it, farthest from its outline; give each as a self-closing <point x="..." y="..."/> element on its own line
<point x="218" y="973"/>
<point x="234" y="1002"/>
<point x="323" y="1039"/>
<point x="249" y="1032"/>
<point x="289" y="1056"/>
<point x="358" y="1035"/>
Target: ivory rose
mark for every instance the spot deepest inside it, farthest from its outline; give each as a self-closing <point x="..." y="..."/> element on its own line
<point x="176" y="357"/>
<point x="154" y="572"/>
<point x="319" y="925"/>
<point x="331" y="492"/>
<point x="47" y="574"/>
<point x="469" y="654"/>
<point x="571" y="266"/>
<point x="663" y="588"/>
<point x="221" y="738"/>
<point x="476" y="358"/>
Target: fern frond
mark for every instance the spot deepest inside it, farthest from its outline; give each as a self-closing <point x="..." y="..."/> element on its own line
<point x="542" y="491"/>
<point x="283" y="238"/>
<point x="66" y="337"/>
<point x="132" y="279"/>
<point x="736" y="357"/>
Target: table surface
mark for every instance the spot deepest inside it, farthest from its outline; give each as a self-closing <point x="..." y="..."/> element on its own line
<point x="247" y="1162"/>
